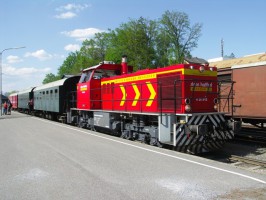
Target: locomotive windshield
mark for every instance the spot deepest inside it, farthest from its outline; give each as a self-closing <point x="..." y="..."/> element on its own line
<point x="85" y="76"/>
<point x="97" y="74"/>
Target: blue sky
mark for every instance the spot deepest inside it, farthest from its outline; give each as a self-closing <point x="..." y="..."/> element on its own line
<point x="51" y="29"/>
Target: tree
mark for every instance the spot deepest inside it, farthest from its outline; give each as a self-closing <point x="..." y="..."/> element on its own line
<point x="135" y="39"/>
<point x="147" y="43"/>
<point x="50" y="78"/>
<point x="178" y="36"/>
<point x="68" y="66"/>
<point x="231" y="56"/>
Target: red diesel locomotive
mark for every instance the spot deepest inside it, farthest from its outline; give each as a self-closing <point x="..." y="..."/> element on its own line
<point x="175" y="105"/>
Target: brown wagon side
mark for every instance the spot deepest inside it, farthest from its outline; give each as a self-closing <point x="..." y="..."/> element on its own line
<point x="250" y="93"/>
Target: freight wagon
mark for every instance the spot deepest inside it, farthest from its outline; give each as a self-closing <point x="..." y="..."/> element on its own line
<point x="247" y="102"/>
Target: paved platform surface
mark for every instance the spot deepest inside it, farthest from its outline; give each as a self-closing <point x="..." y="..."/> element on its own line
<point x="40" y="159"/>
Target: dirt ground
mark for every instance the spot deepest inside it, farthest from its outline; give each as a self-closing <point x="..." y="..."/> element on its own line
<point x="258" y="194"/>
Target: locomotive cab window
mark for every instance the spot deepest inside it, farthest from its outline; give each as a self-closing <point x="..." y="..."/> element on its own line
<point x="85" y="77"/>
<point x="104" y="73"/>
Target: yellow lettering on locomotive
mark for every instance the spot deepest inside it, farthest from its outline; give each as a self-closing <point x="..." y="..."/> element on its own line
<point x="198" y="73"/>
<point x="201" y="89"/>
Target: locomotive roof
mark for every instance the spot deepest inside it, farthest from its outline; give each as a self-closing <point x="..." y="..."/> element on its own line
<point x="107" y="64"/>
<point x="90" y="68"/>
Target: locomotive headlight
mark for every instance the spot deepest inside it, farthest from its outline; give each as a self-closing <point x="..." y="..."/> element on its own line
<point x="191" y="67"/>
<point x="211" y="68"/>
<point x="201" y="69"/>
<point x="187" y="101"/>
<point x="188" y="108"/>
<point x="216" y="102"/>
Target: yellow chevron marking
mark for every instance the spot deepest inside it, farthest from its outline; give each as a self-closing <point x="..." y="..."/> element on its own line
<point x="135" y="87"/>
<point x="153" y="94"/>
<point x="124" y="95"/>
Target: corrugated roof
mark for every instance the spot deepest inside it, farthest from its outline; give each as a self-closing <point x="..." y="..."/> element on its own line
<point x="240" y="61"/>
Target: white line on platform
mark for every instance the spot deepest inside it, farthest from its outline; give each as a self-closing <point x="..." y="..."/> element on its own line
<point x="153" y="151"/>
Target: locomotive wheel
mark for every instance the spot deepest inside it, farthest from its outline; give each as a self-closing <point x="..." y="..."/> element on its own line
<point x="49" y="116"/>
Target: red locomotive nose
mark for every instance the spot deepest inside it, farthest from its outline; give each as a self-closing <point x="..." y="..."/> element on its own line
<point x="124" y="65"/>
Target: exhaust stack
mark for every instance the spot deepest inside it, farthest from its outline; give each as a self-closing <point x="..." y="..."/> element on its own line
<point x="124" y="65"/>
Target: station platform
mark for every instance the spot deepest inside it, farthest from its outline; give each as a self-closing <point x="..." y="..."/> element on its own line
<point x="42" y="159"/>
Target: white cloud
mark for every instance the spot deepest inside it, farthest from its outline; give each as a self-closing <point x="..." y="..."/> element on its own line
<point x="72" y="47"/>
<point x="13" y="71"/>
<point x="82" y="34"/>
<point x="22" y="78"/>
<point x="40" y="54"/>
<point x="72" y="6"/>
<point x="13" y="59"/>
<point x="66" y="15"/>
<point x="70" y="10"/>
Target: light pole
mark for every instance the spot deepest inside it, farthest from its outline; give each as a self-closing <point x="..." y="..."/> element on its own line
<point x="1" y="71"/>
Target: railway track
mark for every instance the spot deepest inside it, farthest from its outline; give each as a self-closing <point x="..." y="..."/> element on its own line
<point x="234" y="158"/>
<point x="254" y="135"/>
